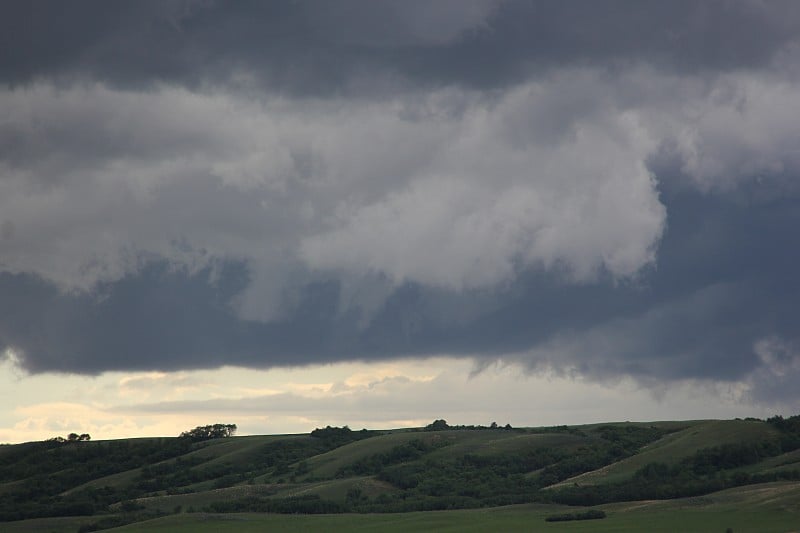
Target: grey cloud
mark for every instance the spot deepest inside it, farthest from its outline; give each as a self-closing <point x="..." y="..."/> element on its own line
<point x="725" y="281"/>
<point x="274" y="403"/>
<point x="339" y="186"/>
<point x="776" y="379"/>
<point x="305" y="47"/>
<point x="394" y="397"/>
<point x="388" y="24"/>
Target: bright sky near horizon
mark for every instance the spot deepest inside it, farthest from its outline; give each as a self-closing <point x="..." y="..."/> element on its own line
<point x="373" y="396"/>
<point x="376" y="213"/>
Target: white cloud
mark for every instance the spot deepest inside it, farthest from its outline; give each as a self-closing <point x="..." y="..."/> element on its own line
<point x="734" y="128"/>
<point x="486" y="206"/>
<point x="424" y="187"/>
<point x="448" y="187"/>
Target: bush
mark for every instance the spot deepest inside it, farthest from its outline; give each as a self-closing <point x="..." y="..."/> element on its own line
<point x="591" y="514"/>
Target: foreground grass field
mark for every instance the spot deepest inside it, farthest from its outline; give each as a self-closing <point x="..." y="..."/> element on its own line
<point x="763" y="508"/>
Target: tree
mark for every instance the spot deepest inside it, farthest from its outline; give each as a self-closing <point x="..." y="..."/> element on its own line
<point x="214" y="431"/>
<point x="437" y="425"/>
<point x="72" y="437"/>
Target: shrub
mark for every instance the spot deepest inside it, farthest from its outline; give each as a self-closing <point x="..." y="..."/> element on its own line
<point x="591" y="514"/>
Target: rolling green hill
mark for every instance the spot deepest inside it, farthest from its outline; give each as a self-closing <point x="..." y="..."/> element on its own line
<point x="702" y="467"/>
<point x="677" y="446"/>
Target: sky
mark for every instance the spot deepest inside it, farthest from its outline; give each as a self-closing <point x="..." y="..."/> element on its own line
<point x="293" y="214"/>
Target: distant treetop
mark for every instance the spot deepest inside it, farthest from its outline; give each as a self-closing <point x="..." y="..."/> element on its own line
<point x="437" y="425"/>
<point x="72" y="437"/>
<point x="441" y="425"/>
<point x="214" y="431"/>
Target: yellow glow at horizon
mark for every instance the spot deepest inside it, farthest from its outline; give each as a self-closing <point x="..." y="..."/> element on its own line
<point x="375" y="395"/>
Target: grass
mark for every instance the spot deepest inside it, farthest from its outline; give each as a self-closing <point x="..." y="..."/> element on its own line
<point x="785" y="461"/>
<point x="55" y="525"/>
<point x="120" y="479"/>
<point x="676" y="446"/>
<point x="333" y="490"/>
<point x="497" y="443"/>
<point x="327" y="464"/>
<point x="236" y="451"/>
<point x="457" y="442"/>
<point x="199" y="499"/>
<point x="766" y="508"/>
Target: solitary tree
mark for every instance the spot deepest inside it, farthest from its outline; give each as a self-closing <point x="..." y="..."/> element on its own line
<point x="214" y="431"/>
<point x="437" y="425"/>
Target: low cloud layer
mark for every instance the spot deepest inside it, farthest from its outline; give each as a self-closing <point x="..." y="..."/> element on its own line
<point x="294" y="185"/>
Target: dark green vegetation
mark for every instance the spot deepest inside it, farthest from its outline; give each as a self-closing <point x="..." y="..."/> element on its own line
<point x="72" y="437"/>
<point x="105" y="484"/>
<point x="214" y="431"/>
<point x="591" y="514"/>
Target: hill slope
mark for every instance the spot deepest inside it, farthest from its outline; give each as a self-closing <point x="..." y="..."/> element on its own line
<point x="335" y="470"/>
<point x="675" y="447"/>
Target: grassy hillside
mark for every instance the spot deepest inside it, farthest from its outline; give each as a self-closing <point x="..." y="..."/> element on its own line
<point x="185" y="482"/>
<point x="677" y="446"/>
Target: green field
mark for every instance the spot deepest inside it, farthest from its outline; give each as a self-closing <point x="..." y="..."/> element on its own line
<point x="764" y="508"/>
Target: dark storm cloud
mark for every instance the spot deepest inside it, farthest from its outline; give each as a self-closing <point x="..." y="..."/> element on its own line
<point x="312" y="47"/>
<point x="160" y="318"/>
<point x="725" y="281"/>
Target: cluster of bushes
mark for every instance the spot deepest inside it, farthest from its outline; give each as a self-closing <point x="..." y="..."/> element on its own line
<point x="307" y="504"/>
<point x="790" y="431"/>
<point x="442" y="425"/>
<point x="213" y="431"/>
<point x="591" y="514"/>
<point x="339" y="436"/>
<point x="72" y="437"/>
